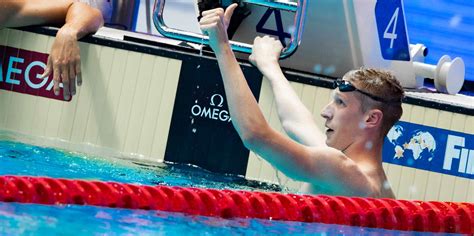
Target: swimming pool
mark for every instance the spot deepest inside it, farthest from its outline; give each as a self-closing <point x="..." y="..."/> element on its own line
<point x="27" y="219"/>
<point x="19" y="158"/>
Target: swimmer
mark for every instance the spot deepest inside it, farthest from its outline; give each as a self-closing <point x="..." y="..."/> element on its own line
<point x="346" y="159"/>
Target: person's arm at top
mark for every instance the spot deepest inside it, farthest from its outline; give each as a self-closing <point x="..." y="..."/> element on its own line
<point x="17" y="13"/>
<point x="296" y="119"/>
<point x="323" y="166"/>
<point x="64" y="59"/>
<point x="78" y="20"/>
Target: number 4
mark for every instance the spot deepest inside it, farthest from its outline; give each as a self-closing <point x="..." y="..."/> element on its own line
<point x="280" y="32"/>
<point x="393" y="21"/>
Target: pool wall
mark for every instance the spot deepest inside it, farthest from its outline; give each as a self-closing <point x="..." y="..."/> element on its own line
<point x="167" y="103"/>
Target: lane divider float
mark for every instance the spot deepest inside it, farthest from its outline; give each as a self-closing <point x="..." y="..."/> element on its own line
<point x="427" y="216"/>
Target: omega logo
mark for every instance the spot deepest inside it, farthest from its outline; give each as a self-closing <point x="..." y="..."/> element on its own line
<point x="214" y="112"/>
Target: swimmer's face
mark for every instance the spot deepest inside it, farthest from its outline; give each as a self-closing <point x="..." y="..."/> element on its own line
<point x="343" y="118"/>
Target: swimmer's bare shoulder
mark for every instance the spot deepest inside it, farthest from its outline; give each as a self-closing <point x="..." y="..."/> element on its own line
<point x="307" y="188"/>
<point x="334" y="173"/>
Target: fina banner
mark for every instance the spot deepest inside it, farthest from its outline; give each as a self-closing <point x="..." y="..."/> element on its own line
<point x="21" y="70"/>
<point x="432" y="149"/>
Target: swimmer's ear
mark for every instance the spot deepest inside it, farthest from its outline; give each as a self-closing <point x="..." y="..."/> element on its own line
<point x="373" y="118"/>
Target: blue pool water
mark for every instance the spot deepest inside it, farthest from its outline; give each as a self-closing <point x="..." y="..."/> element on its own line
<point x="31" y="219"/>
<point x="21" y="159"/>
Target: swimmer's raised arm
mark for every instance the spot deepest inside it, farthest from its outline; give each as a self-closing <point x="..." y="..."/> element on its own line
<point x="321" y="166"/>
<point x="296" y="119"/>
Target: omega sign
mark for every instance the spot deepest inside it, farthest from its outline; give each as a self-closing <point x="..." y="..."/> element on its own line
<point x="214" y="111"/>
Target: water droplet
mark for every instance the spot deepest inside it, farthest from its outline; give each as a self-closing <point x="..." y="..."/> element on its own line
<point x="455" y="21"/>
<point x="291" y="29"/>
<point x="200" y="48"/>
<point x="317" y="68"/>
<point x="198" y="66"/>
<point x="194" y="130"/>
<point x="369" y="145"/>
<point x="330" y="70"/>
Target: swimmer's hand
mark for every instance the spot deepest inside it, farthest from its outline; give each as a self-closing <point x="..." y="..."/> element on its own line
<point x="214" y="23"/>
<point x="64" y="62"/>
<point x="266" y="53"/>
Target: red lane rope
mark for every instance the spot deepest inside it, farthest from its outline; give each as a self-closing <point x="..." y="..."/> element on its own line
<point x="430" y="216"/>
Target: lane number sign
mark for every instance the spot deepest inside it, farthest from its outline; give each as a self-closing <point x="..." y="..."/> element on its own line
<point x="393" y="38"/>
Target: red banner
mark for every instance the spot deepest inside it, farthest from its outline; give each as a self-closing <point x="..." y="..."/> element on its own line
<point x="21" y="70"/>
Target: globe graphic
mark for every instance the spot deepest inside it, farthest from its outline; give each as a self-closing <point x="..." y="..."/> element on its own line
<point x="417" y="144"/>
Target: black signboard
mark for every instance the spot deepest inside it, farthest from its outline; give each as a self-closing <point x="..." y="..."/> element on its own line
<point x="201" y="131"/>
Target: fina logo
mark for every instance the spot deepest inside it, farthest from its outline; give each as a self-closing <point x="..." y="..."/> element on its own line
<point x="214" y="112"/>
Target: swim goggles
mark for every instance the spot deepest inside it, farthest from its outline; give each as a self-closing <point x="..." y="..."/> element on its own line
<point x="346" y="86"/>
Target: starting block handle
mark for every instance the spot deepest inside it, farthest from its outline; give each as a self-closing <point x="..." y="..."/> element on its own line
<point x="299" y="8"/>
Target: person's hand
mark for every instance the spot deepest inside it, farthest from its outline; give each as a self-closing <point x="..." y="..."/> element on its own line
<point x="64" y="62"/>
<point x="265" y="53"/>
<point x="214" y="23"/>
